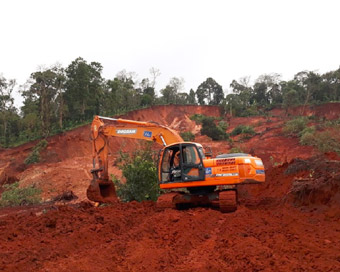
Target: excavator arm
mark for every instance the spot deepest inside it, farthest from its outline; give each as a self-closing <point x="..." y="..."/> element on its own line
<point x="101" y="188"/>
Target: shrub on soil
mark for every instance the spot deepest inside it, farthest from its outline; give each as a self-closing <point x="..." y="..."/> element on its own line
<point x="295" y="127"/>
<point x="307" y="139"/>
<point x="15" y="196"/>
<point x="242" y="129"/>
<point x="187" y="136"/>
<point x="34" y="156"/>
<point x="198" y="118"/>
<point x="323" y="141"/>
<point x="223" y="125"/>
<point x="326" y="142"/>
<point x="210" y="129"/>
<point x="140" y="173"/>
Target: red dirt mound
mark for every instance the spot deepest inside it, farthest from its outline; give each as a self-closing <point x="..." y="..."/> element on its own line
<point x="137" y="237"/>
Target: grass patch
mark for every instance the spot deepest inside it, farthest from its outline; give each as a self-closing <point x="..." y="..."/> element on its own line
<point x="34" y="156"/>
<point x="295" y="126"/>
<point x="242" y="129"/>
<point x="324" y="141"/>
<point x="15" y="196"/>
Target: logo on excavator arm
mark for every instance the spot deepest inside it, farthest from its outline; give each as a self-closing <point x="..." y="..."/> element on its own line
<point x="126" y="131"/>
<point x="147" y="134"/>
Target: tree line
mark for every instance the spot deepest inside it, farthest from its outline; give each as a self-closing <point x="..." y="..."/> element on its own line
<point x="59" y="98"/>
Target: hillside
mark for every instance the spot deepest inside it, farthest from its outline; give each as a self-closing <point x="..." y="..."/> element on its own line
<point x="289" y="223"/>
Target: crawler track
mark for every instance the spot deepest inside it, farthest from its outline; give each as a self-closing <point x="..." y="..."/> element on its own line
<point x="228" y="201"/>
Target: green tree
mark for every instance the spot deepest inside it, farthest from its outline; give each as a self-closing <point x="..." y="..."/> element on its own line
<point x="60" y="81"/>
<point x="84" y="90"/>
<point x="233" y="105"/>
<point x="147" y="93"/>
<point x="8" y="113"/>
<point x="170" y="92"/>
<point x="211" y="91"/>
<point x="290" y="99"/>
<point x="191" y="97"/>
<point x="310" y="83"/>
<point x="120" y="94"/>
<point x="267" y="89"/>
<point x="260" y="94"/>
<point x="331" y="85"/>
<point x="41" y="98"/>
<point x="243" y="91"/>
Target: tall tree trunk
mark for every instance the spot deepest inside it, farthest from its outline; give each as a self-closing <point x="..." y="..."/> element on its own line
<point x="61" y="108"/>
<point x="44" y="111"/>
<point x="306" y="101"/>
<point x="5" y="129"/>
<point x="83" y="108"/>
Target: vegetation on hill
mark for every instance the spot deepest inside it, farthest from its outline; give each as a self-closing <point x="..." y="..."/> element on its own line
<point x="16" y="196"/>
<point x="59" y="98"/>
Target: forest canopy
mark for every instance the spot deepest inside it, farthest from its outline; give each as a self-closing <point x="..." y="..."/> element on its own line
<point x="59" y="98"/>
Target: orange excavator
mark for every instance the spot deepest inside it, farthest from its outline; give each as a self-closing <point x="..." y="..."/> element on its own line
<point x="207" y="180"/>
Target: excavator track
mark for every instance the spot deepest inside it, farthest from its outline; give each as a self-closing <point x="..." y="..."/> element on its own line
<point x="228" y="201"/>
<point x="165" y="201"/>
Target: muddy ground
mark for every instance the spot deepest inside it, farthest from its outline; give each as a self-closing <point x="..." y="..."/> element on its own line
<point x="259" y="236"/>
<point x="290" y="223"/>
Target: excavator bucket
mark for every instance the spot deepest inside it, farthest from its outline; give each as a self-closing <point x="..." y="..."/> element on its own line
<point x="101" y="191"/>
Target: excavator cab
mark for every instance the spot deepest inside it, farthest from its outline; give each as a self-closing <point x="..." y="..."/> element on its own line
<point x="181" y="162"/>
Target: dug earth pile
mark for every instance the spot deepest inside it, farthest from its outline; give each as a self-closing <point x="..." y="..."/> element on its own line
<point x="290" y="223"/>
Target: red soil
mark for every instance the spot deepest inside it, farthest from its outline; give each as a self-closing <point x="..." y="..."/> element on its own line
<point x="290" y="223"/>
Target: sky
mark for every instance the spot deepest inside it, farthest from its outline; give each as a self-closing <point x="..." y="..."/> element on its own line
<point x="187" y="39"/>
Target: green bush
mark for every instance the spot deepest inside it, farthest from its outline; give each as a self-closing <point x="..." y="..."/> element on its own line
<point x="187" y="136"/>
<point x="330" y="123"/>
<point x="34" y="156"/>
<point x="223" y="125"/>
<point x="295" y="127"/>
<point x="198" y="118"/>
<point x="249" y="111"/>
<point x="307" y="130"/>
<point x="15" y="196"/>
<point x="323" y="141"/>
<point x="308" y="138"/>
<point x="140" y="172"/>
<point x="326" y="142"/>
<point x="242" y="129"/>
<point x="210" y="129"/>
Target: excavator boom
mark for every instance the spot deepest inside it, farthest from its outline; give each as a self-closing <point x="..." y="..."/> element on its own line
<point x="101" y="188"/>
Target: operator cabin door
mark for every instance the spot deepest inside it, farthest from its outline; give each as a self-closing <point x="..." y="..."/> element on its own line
<point x="181" y="163"/>
<point x="192" y="164"/>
